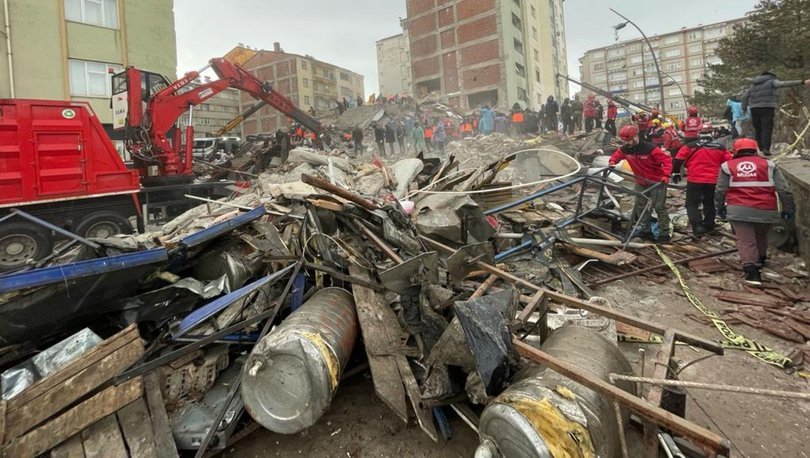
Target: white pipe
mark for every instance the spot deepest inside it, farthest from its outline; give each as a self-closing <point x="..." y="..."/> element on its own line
<point x="8" y="47"/>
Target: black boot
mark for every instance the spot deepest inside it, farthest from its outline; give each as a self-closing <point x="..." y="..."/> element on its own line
<point x="697" y="231"/>
<point x="752" y="276"/>
<point x="762" y="260"/>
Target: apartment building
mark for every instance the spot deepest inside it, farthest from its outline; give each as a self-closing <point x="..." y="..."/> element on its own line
<point x="308" y="82"/>
<point x="628" y="69"/>
<point x="394" y="65"/>
<point x="66" y="49"/>
<point x="474" y="52"/>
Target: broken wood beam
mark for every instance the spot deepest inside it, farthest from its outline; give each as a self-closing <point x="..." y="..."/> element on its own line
<point x="338" y="191"/>
<point x="660" y="266"/>
<point x="574" y="302"/>
<point x="617" y="258"/>
<point x="485" y="286"/>
<point x="636" y="405"/>
<point x="380" y="243"/>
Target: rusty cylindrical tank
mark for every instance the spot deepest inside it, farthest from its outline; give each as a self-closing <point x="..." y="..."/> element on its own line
<point x="544" y="414"/>
<point x="291" y="375"/>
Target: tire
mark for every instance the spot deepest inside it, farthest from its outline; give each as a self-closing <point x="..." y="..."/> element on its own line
<point x="103" y="224"/>
<point x="21" y="242"/>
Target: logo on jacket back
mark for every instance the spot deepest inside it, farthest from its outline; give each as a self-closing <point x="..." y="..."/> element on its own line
<point x="746" y="169"/>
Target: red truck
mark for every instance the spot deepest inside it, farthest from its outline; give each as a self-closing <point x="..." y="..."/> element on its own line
<point x="57" y="162"/>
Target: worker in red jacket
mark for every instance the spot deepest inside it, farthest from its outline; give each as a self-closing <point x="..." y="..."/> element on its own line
<point x="652" y="168"/>
<point x="747" y="190"/>
<point x="657" y="132"/>
<point x="672" y="140"/>
<point x="702" y="161"/>
<point x="612" y="112"/>
<point x="642" y="121"/>
<point x="589" y="112"/>
<point x="691" y="125"/>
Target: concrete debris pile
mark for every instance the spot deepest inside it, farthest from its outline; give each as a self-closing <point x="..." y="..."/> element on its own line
<point x="461" y="283"/>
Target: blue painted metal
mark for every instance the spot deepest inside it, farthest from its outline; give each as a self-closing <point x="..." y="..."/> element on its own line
<point x="531" y="242"/>
<point x="297" y="297"/>
<point x="216" y="230"/>
<point x="444" y="425"/>
<point x="64" y="272"/>
<point x="210" y="309"/>
<point x="534" y="196"/>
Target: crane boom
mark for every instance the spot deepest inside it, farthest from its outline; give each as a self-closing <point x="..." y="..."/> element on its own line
<point x="621" y="101"/>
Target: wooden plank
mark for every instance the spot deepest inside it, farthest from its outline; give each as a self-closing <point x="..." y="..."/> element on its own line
<point x="164" y="440"/>
<point x="73" y="388"/>
<point x="536" y="300"/>
<point x="137" y="428"/>
<point x="72" y="448"/>
<point x="423" y="416"/>
<point x="2" y="421"/>
<point x="638" y="406"/>
<point x="482" y="289"/>
<point x="93" y="356"/>
<point x="74" y="420"/>
<point x="656" y="392"/>
<point x="385" y="373"/>
<point x="104" y="440"/>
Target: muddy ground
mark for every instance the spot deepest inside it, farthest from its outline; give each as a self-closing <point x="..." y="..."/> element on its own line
<point x="358" y="425"/>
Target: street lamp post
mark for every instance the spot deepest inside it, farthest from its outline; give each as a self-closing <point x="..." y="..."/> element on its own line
<point x="655" y="59"/>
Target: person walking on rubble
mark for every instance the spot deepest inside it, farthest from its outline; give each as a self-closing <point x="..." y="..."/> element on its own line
<point x="552" y="108"/>
<point x="517" y="119"/>
<point x="418" y="138"/>
<point x="746" y="194"/>
<point x="651" y="168"/>
<point x="400" y="133"/>
<point x="763" y="100"/>
<point x="487" y="122"/>
<point x="379" y="138"/>
<point x="390" y="136"/>
<point x="565" y="114"/>
<point x="357" y="139"/>
<point x="612" y="112"/>
<point x="439" y="135"/>
<point x="428" y="135"/>
<point x="576" y="114"/>
<point x="702" y="161"/>
<point x="589" y="111"/>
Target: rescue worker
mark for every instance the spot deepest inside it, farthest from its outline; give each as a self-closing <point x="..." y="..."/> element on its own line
<point x="657" y="132"/>
<point x="589" y="111"/>
<point x="691" y="125"/>
<point x="552" y="108"/>
<point x="439" y="136"/>
<point x="565" y="116"/>
<point x="357" y="138"/>
<point x="466" y="128"/>
<point x="642" y="121"/>
<point x="702" y="161"/>
<point x="651" y="168"/>
<point x="655" y="114"/>
<point x="400" y="133"/>
<point x="379" y="138"/>
<point x="576" y="114"/>
<point x="600" y="114"/>
<point x="418" y="138"/>
<point x="517" y="119"/>
<point x="487" y="122"/>
<point x="672" y="140"/>
<point x="763" y="99"/>
<point x="428" y="136"/>
<point x="391" y="136"/>
<point x="747" y="190"/>
<point x="612" y="112"/>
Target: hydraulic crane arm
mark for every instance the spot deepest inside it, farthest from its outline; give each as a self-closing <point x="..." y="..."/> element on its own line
<point x="148" y="129"/>
<point x="239" y="118"/>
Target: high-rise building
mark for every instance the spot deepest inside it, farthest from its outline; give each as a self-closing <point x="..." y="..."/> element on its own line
<point x="394" y="65"/>
<point x="66" y="49"/>
<point x="627" y="68"/>
<point x="308" y="82"/>
<point x="496" y="52"/>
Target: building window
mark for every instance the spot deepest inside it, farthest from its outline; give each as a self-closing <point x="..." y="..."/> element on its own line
<point x="518" y="46"/>
<point x="696" y="35"/>
<point x="638" y="84"/>
<point x="344" y="76"/>
<point x="620" y="76"/>
<point x="694" y="76"/>
<point x="714" y="60"/>
<point x="675" y="104"/>
<point x="516" y="22"/>
<point x="95" y="12"/>
<point x="303" y="65"/>
<point x="695" y="48"/>
<point x="522" y="94"/>
<point x="91" y="79"/>
<point x="520" y="70"/>
<point x="696" y="62"/>
<point x="675" y="91"/>
<point x="636" y="59"/>
<point x="672" y="52"/>
<point x="674" y="65"/>
<point x="598" y="55"/>
<point x="599" y="66"/>
<point x="672" y="39"/>
<point x="306" y="82"/>
<point x="600" y="78"/>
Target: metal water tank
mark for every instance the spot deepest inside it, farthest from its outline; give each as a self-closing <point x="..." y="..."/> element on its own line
<point x="291" y="375"/>
<point x="544" y="414"/>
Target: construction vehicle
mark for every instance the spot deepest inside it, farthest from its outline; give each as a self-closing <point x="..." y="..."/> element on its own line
<point x="58" y="164"/>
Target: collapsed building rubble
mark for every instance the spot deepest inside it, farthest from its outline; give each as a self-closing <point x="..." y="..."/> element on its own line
<point x="465" y="283"/>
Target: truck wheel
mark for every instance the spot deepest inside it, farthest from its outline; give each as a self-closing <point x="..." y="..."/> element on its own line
<point x="21" y="242"/>
<point x="102" y="225"/>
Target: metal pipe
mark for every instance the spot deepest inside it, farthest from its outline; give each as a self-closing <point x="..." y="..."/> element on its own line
<point x="534" y="196"/>
<point x="714" y="387"/>
<point x="291" y="375"/>
<point x="56" y="229"/>
<point x="8" y="50"/>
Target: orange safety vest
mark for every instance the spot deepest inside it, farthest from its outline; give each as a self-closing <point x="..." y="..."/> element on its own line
<point x="467" y="127"/>
<point x="429" y="132"/>
<point x="299" y="132"/>
<point x="517" y="117"/>
<point x="312" y="135"/>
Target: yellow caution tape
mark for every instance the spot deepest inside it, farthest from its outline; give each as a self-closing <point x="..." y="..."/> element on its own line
<point x="761" y="352"/>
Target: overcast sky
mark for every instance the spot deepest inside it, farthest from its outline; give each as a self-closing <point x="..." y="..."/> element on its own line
<point x="344" y="32"/>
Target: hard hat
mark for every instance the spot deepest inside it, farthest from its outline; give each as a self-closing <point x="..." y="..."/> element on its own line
<point x="706" y="127"/>
<point x="744" y="144"/>
<point x="692" y="110"/>
<point x="628" y="132"/>
<point x="667" y="125"/>
<point x="656" y="122"/>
